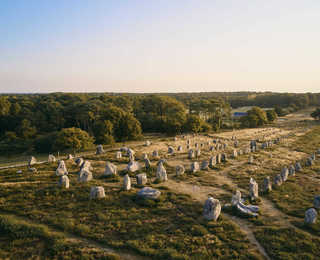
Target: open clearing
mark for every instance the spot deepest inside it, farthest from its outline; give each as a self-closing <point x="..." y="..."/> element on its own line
<point x="121" y="226"/>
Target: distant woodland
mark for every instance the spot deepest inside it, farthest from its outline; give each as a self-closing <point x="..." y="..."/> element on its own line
<point x="62" y="121"/>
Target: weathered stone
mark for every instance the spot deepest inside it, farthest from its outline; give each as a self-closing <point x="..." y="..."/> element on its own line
<point x="79" y="161"/>
<point x="155" y="153"/>
<point x="310" y="216"/>
<point x="69" y="157"/>
<point x="170" y="150"/>
<point x="218" y="157"/>
<point x="223" y="157"/>
<point x="211" y="149"/>
<point x="198" y="153"/>
<point x="147" y="163"/>
<point x="253" y="189"/>
<point x="110" y="170"/>
<point x="162" y="160"/>
<point x="161" y="173"/>
<point x="195" y="167"/>
<point x="133" y="166"/>
<point x="309" y="161"/>
<point x="85" y="175"/>
<point x="267" y="185"/>
<point x="234" y="154"/>
<point x="51" y="158"/>
<point x="33" y="170"/>
<point x="250" y="159"/>
<point x="196" y="145"/>
<point x="313" y="156"/>
<point x="212" y="161"/>
<point x="19" y="171"/>
<point x="149" y="193"/>
<point x="284" y="174"/>
<point x="99" y="149"/>
<point x="180" y="170"/>
<point x="316" y="202"/>
<point x="97" y="192"/>
<point x="211" y="209"/>
<point x="62" y="169"/>
<point x="126" y="182"/>
<point x="236" y="143"/>
<point x="298" y="167"/>
<point x="191" y="154"/>
<point x="64" y="182"/>
<point x="130" y="154"/>
<point x="86" y="165"/>
<point x="278" y="180"/>
<point x="118" y="155"/>
<point x="147" y="143"/>
<point x="141" y="179"/>
<point x="292" y="170"/>
<point x="180" y="148"/>
<point x="124" y="150"/>
<point x="236" y="198"/>
<point x="144" y="156"/>
<point x="249" y="210"/>
<point x="32" y="161"/>
<point x="240" y="152"/>
<point x="204" y="165"/>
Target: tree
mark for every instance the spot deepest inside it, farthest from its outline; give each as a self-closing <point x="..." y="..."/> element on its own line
<point x="103" y="132"/>
<point x="279" y="111"/>
<point x="316" y="114"/>
<point x="256" y="117"/>
<point x="271" y="115"/>
<point x="193" y="124"/>
<point x="73" y="139"/>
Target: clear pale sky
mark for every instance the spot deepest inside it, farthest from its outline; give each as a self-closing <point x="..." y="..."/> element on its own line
<point x="159" y="45"/>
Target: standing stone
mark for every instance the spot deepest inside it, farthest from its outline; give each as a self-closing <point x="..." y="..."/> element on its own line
<point x="86" y="165"/>
<point x="148" y="143"/>
<point x="223" y="157"/>
<point x="198" y="153"/>
<point x="250" y="159"/>
<point x="180" y="170"/>
<point x="212" y="161"/>
<point x="240" y="152"/>
<point x="144" y="156"/>
<point x="310" y="216"/>
<point x="267" y="185"/>
<point x="69" y="157"/>
<point x="218" y="157"/>
<point x="292" y="170"/>
<point x="130" y="154"/>
<point x="316" y="202"/>
<point x="99" y="149"/>
<point x="32" y="161"/>
<point x="196" y="145"/>
<point x="191" y="154"/>
<point x="155" y="153"/>
<point x="126" y="182"/>
<point x="211" y="148"/>
<point x="161" y="173"/>
<point x="278" y="180"/>
<point x="298" y="167"/>
<point x="118" y="155"/>
<point x="147" y="163"/>
<point x="211" y="209"/>
<point x="234" y="154"/>
<point x="284" y="174"/>
<point x="195" y="167"/>
<point x="51" y="158"/>
<point x="204" y="165"/>
<point x="141" y="179"/>
<point x="62" y="169"/>
<point x="79" y="162"/>
<point x="180" y="148"/>
<point x="253" y="189"/>
<point x="309" y="161"/>
<point x="110" y="170"/>
<point x="236" y="198"/>
<point x="170" y="150"/>
<point x="64" y="182"/>
<point x="97" y="192"/>
<point x="236" y="143"/>
<point x="85" y="175"/>
<point x="133" y="166"/>
<point x="313" y="156"/>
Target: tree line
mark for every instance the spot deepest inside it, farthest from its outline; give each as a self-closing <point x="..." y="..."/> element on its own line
<point x="58" y="121"/>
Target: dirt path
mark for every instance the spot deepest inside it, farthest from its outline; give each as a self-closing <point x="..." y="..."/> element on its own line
<point x="18" y="183"/>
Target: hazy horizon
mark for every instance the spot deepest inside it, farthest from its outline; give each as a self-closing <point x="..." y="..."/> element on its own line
<point x="159" y="46"/>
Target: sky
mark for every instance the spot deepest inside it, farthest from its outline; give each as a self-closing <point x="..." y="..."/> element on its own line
<point x="159" y="45"/>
